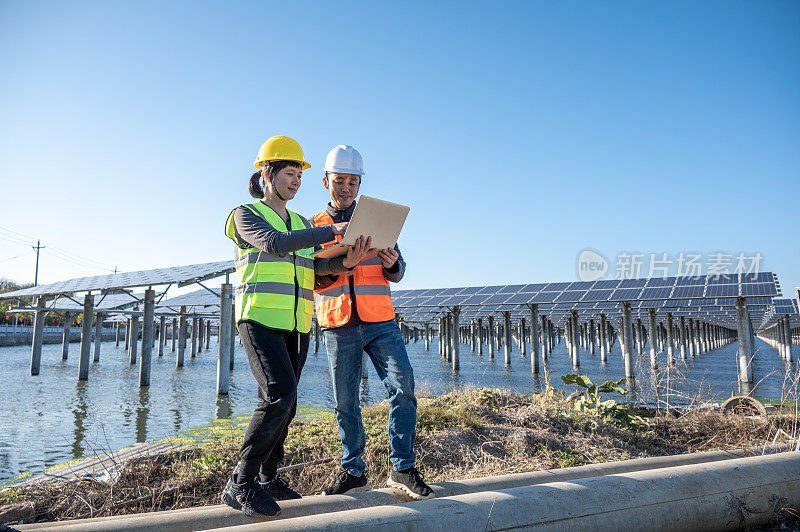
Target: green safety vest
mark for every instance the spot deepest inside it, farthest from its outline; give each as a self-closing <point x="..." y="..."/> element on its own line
<point x="267" y="293"/>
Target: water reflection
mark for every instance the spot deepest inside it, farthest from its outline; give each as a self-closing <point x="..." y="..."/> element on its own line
<point x="177" y="420"/>
<point x="142" y="412"/>
<point x="110" y="411"/>
<point x="79" y="415"/>
<point x="223" y="408"/>
<point x="365" y="398"/>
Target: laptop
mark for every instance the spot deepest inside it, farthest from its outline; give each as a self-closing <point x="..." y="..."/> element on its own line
<point x="382" y="220"/>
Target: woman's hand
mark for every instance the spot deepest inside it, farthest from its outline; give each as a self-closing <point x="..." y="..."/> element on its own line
<point x="340" y="228"/>
<point x="359" y="251"/>
<point x="388" y="257"/>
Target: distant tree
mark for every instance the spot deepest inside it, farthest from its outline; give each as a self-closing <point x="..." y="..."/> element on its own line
<point x="7" y="285"/>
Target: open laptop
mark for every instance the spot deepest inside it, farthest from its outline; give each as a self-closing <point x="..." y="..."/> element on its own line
<point x="382" y="220"/>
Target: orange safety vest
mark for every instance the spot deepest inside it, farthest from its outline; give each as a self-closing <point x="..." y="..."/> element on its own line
<point x="373" y="297"/>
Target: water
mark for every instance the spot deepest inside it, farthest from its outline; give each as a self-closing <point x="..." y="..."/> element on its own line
<point x="53" y="418"/>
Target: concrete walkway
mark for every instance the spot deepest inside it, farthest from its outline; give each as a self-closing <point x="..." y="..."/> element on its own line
<point x="204" y="518"/>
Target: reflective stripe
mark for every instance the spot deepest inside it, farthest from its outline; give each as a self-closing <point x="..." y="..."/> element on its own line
<point x="371" y="262"/>
<point x="262" y="256"/>
<point x="284" y="289"/>
<point x="307" y="294"/>
<point x="332" y="293"/>
<point x="371" y="290"/>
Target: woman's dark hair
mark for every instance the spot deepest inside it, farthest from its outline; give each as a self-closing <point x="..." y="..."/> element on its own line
<point x="272" y="168"/>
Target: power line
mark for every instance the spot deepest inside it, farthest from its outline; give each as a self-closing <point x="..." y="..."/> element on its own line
<point x="16" y="237"/>
<point x="14" y="240"/>
<point x="63" y="251"/>
<point x="73" y="261"/>
<point x="7" y="230"/>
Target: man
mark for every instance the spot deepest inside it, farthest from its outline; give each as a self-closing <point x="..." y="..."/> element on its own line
<point x="356" y="313"/>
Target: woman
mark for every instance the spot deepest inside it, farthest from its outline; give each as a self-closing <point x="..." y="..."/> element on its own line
<point x="274" y="305"/>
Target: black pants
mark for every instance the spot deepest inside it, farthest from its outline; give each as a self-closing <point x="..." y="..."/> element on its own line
<point x="276" y="359"/>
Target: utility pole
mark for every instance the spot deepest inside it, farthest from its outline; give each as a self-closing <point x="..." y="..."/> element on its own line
<point x="37" y="248"/>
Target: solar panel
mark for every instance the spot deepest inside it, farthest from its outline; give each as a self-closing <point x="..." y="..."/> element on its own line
<point x="511" y="289"/>
<point x="544" y="297"/>
<point x="656" y="303"/>
<point x="721" y="279"/>
<point x="633" y="283"/>
<point x="117" y="281"/>
<point x="626" y="294"/>
<point x="520" y="298"/>
<point x="556" y="287"/>
<point x="533" y="287"/>
<point x="607" y="305"/>
<point x="198" y="298"/>
<point x="705" y="297"/>
<point x="688" y="291"/>
<point x="571" y="296"/>
<point x="408" y="302"/>
<point x="475" y="299"/>
<point x="656" y="293"/>
<point x="606" y="284"/>
<point x="496" y="299"/>
<point x="758" y="289"/>
<point x="580" y="286"/>
<point x="450" y="291"/>
<point x="704" y="302"/>
<point x="760" y="277"/>
<point x="490" y="289"/>
<point x="410" y="293"/>
<point x="722" y="290"/>
<point x="436" y="300"/>
<point x="454" y="300"/>
<point x="597" y="295"/>
<point x="689" y="281"/>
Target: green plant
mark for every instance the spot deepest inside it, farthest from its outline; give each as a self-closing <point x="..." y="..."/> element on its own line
<point x="590" y="401"/>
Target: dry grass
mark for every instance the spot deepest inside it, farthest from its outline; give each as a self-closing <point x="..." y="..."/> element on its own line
<point x="463" y="434"/>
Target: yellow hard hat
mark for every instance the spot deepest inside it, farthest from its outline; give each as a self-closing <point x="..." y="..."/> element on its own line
<point x="280" y="148"/>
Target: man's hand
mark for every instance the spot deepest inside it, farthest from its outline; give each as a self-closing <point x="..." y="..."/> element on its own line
<point x="340" y="228"/>
<point x="388" y="257"/>
<point x="361" y="250"/>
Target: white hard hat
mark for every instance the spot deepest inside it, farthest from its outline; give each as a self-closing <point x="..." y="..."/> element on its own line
<point x="344" y="160"/>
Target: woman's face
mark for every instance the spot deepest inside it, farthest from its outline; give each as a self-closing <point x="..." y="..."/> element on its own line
<point x="287" y="181"/>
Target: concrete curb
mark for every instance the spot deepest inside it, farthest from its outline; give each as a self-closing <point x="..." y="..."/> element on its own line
<point x="206" y="517"/>
<point x="723" y="495"/>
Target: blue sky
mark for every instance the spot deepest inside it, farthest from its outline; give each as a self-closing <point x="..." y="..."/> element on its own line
<point x="520" y="133"/>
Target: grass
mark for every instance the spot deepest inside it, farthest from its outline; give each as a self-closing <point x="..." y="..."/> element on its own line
<point x="467" y="433"/>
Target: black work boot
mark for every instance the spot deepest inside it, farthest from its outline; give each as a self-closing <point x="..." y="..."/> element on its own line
<point x="347" y="483"/>
<point x="250" y="498"/>
<point x="410" y="482"/>
<point x="278" y="489"/>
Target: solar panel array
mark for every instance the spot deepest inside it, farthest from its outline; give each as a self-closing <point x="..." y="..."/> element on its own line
<point x="116" y="281"/>
<point x="779" y="309"/>
<point x="198" y="298"/>
<point x="709" y="297"/>
<point x="106" y="302"/>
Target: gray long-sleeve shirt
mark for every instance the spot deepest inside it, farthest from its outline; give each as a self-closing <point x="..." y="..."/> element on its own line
<point x="252" y="230"/>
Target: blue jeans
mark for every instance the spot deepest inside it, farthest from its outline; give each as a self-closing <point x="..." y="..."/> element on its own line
<point x="384" y="346"/>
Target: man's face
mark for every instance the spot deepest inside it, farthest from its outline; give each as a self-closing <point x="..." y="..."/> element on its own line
<point x="343" y="188"/>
